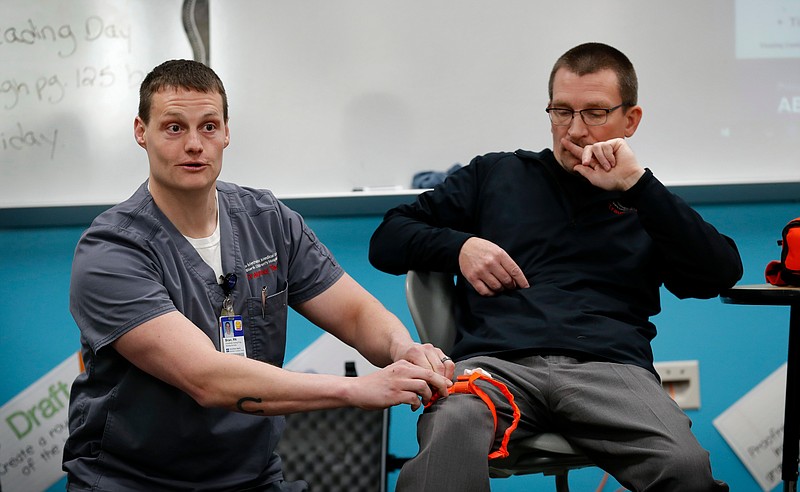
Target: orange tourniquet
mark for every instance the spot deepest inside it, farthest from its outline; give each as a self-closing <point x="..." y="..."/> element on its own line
<point x="466" y="384"/>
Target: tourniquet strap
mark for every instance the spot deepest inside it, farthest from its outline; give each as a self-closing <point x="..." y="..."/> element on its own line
<point x="466" y="384"/>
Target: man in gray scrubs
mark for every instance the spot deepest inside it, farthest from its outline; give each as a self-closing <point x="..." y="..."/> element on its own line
<point x="181" y="296"/>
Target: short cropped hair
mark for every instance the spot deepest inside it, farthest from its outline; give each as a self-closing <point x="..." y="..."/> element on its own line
<point x="590" y="58"/>
<point x="180" y="74"/>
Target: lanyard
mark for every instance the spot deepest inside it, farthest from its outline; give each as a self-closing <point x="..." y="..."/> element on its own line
<point x="227" y="282"/>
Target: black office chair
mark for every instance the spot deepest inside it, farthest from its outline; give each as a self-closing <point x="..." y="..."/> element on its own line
<point x="339" y="449"/>
<point x="336" y="450"/>
<point x="430" y="300"/>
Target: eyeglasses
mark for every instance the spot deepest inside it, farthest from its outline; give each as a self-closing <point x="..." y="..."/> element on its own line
<point x="590" y="116"/>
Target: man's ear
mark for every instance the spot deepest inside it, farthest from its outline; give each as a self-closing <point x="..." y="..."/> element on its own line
<point x="632" y="118"/>
<point x="139" y="131"/>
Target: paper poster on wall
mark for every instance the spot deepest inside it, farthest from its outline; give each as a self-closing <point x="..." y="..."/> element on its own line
<point x="33" y="430"/>
<point x="328" y="355"/>
<point x="753" y="428"/>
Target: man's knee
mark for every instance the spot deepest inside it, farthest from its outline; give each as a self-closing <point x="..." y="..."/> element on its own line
<point x="688" y="471"/>
<point x="459" y="420"/>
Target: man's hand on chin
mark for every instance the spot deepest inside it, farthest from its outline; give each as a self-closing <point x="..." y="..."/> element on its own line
<point x="610" y="165"/>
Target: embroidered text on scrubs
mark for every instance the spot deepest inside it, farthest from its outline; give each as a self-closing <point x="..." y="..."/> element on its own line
<point x="257" y="264"/>
<point x="261" y="266"/>
<point x="264" y="271"/>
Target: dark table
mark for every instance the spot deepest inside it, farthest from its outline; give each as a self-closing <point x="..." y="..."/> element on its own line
<point x="770" y="295"/>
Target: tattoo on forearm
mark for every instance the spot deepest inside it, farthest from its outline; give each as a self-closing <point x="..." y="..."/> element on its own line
<point x="242" y="401"/>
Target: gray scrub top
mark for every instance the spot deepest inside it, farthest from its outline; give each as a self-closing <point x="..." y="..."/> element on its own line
<point x="131" y="431"/>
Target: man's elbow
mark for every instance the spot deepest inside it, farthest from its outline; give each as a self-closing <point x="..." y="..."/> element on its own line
<point x="205" y="395"/>
<point x="381" y="257"/>
<point x="705" y="287"/>
<point x="730" y="272"/>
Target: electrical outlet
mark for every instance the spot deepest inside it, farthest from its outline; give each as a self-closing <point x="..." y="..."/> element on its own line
<point x="681" y="379"/>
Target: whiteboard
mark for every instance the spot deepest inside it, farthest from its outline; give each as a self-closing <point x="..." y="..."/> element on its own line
<point x="69" y="80"/>
<point x="328" y="96"/>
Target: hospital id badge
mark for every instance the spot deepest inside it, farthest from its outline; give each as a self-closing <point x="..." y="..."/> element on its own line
<point x="231" y="335"/>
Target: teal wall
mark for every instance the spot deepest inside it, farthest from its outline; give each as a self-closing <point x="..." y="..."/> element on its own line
<point x="737" y="346"/>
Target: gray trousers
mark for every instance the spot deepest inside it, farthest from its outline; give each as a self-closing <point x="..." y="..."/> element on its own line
<point x="618" y="414"/>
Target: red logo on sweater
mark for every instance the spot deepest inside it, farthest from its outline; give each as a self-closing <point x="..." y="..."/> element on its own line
<point x="619" y="209"/>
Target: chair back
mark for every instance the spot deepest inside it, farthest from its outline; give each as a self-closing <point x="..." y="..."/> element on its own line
<point x="430" y="299"/>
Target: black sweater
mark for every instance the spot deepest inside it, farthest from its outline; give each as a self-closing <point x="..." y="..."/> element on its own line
<point x="595" y="259"/>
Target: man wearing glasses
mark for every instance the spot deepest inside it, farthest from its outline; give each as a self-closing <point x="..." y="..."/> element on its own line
<point x="559" y="257"/>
